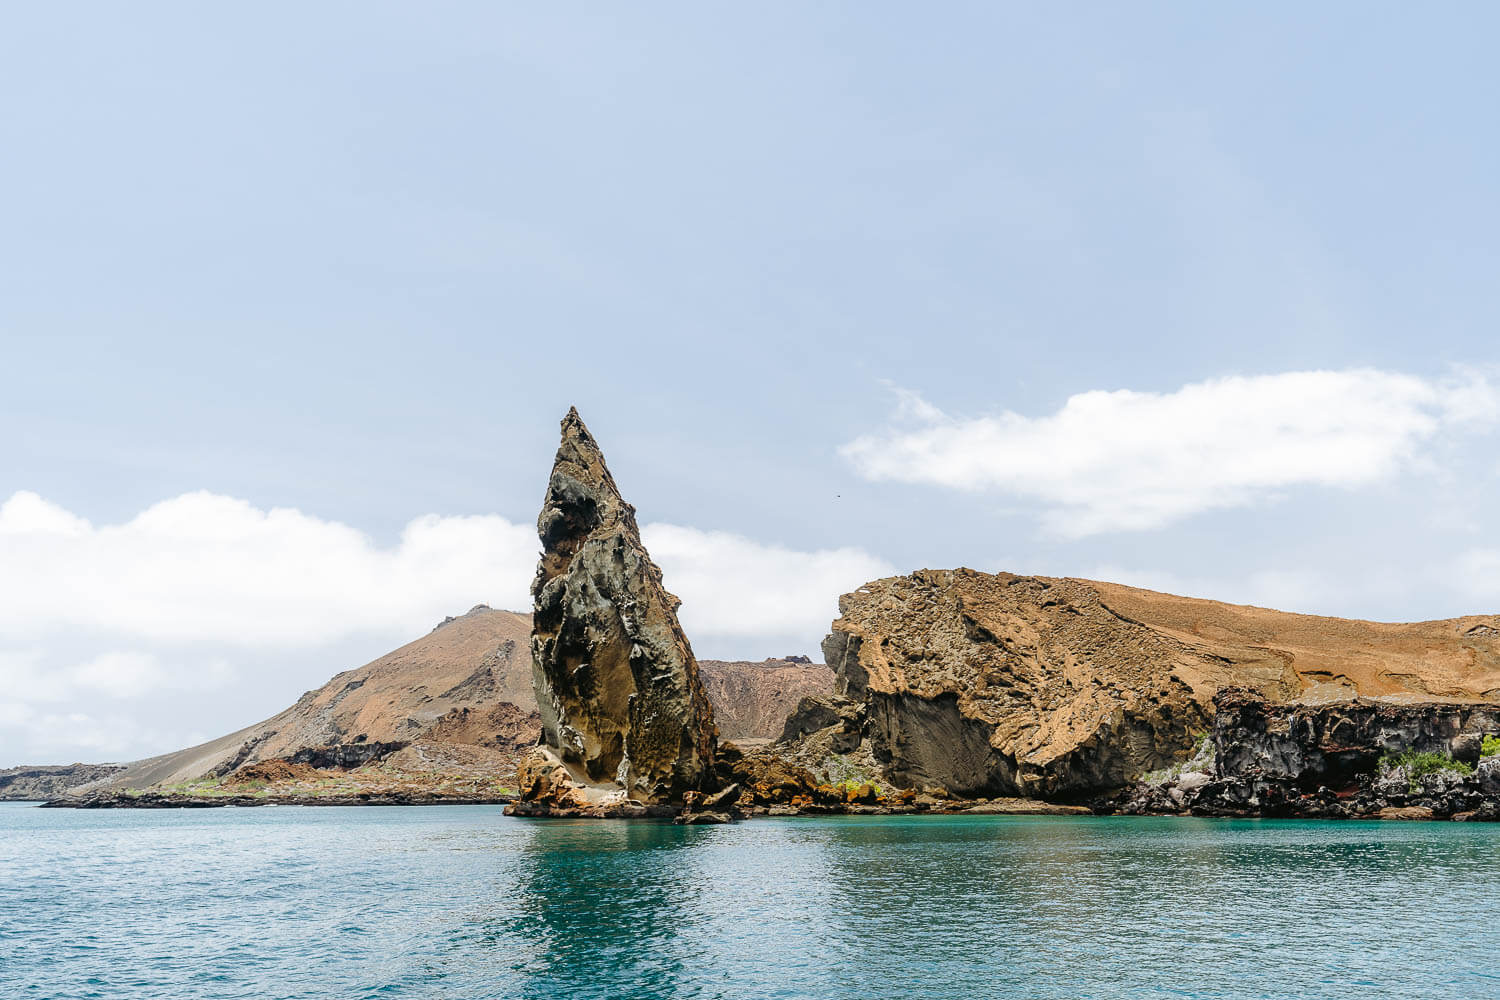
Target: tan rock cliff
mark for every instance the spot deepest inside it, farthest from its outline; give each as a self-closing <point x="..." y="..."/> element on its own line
<point x="1002" y="684"/>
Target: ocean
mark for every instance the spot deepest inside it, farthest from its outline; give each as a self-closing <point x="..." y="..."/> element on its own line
<point x="461" y="902"/>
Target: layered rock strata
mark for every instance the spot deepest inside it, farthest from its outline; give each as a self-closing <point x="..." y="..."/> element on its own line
<point x="1382" y="758"/>
<point x="625" y="721"/>
<point x="989" y="685"/>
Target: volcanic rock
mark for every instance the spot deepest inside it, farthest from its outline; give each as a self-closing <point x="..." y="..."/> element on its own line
<point x="841" y="718"/>
<point x="703" y="818"/>
<point x="1382" y="757"/>
<point x="35" y="782"/>
<point x="272" y="771"/>
<point x="623" y="712"/>
<point x="500" y="726"/>
<point x="764" y="776"/>
<point x="995" y="685"/>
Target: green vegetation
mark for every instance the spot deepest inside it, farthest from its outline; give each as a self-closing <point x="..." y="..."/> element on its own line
<point x="1201" y="758"/>
<point x="1490" y="747"/>
<point x="1420" y="764"/>
<point x="844" y="774"/>
<point x="851" y="788"/>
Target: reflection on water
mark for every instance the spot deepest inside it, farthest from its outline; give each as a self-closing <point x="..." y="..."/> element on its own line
<point x="464" y="903"/>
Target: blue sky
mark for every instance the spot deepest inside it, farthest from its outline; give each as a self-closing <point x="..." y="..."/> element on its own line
<point x="842" y="290"/>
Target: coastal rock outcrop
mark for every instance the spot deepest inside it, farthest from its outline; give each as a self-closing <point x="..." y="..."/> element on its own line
<point x="1398" y="758"/>
<point x="39" y="782"/>
<point x="1060" y="688"/>
<point x="624" y="716"/>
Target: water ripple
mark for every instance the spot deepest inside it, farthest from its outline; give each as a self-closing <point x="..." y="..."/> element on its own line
<point x="462" y="903"/>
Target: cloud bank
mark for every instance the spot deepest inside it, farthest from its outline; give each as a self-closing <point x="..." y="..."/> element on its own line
<point x="191" y="595"/>
<point x="1129" y="461"/>
<point x="203" y="567"/>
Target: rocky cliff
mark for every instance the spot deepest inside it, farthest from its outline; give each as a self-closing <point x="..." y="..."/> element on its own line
<point x="1061" y="688"/>
<point x="1404" y="758"/>
<point x="624" y="715"/>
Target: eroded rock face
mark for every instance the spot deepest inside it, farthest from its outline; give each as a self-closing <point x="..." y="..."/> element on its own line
<point x="1336" y="759"/>
<point x="624" y="715"/>
<point x="1335" y="743"/>
<point x="1056" y="688"/>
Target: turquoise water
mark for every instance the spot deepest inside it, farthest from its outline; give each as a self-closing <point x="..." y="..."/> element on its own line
<point x="460" y="902"/>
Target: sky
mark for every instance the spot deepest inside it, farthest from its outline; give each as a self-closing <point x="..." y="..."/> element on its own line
<point x="292" y="299"/>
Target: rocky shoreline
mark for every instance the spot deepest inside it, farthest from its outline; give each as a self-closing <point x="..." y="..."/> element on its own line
<point x="945" y="692"/>
<point x="1351" y="759"/>
<point x="913" y="805"/>
<point x="161" y="800"/>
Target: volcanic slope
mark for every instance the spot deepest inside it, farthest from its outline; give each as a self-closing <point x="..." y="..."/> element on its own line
<point x="474" y="660"/>
<point x="467" y="683"/>
<point x="752" y="700"/>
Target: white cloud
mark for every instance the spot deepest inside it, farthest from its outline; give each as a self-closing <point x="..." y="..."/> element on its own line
<point x="738" y="592"/>
<point x="202" y="567"/>
<point x="208" y="567"/>
<point x="114" y="674"/>
<point x="56" y="737"/>
<point x="108" y="632"/>
<point x="1123" y="460"/>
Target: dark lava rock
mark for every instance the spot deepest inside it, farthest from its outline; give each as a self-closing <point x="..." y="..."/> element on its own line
<point x="1335" y="760"/>
<point x="703" y="818"/>
<point x="624" y="714"/>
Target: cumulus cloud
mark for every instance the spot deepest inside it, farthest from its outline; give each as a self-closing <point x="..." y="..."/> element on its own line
<point x="1124" y="460"/>
<point x="112" y="674"/>
<point x="37" y="736"/>
<point x="208" y="567"/>
<point x="736" y="591"/>
<point x="105" y="629"/>
<point x="202" y="567"/>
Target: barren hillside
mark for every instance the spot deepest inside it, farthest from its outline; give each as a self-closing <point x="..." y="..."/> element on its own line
<point x="473" y="661"/>
<point x="752" y="700"/>
<point x="465" y="683"/>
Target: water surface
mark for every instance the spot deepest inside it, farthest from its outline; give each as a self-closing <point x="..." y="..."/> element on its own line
<point x="461" y="902"/>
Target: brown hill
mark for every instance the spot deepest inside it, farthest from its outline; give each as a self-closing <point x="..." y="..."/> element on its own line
<point x="1003" y="684"/>
<point x="466" y="683"/>
<point x="475" y="660"/>
<point x="752" y="700"/>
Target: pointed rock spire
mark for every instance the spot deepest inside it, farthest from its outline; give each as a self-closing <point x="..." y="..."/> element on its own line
<point x="624" y="716"/>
